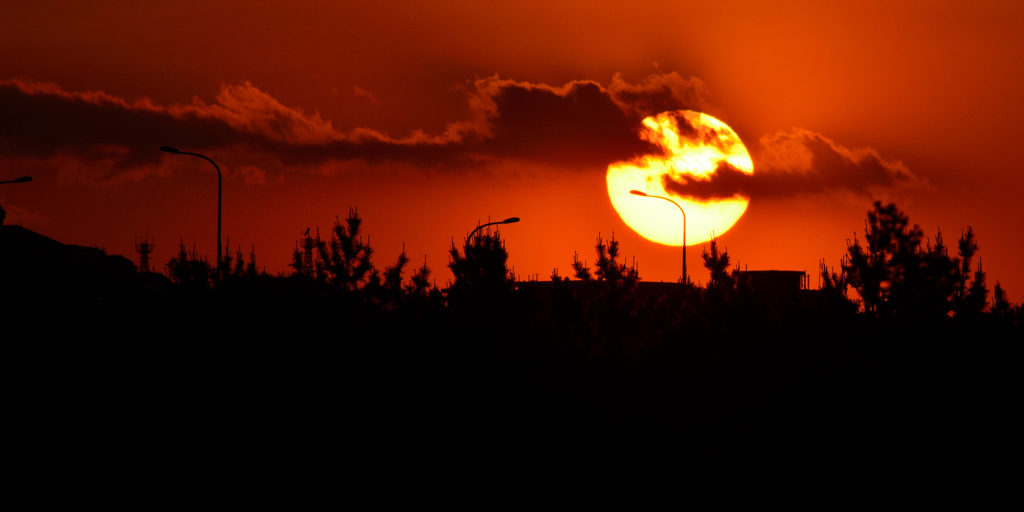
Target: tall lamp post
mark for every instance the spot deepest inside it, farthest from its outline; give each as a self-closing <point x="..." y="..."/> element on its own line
<point x="509" y="220"/>
<point x="686" y="279"/>
<point x="23" y="179"/>
<point x="220" y="180"/>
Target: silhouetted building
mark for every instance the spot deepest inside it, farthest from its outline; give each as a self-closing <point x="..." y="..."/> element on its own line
<point x="772" y="283"/>
<point x="541" y="290"/>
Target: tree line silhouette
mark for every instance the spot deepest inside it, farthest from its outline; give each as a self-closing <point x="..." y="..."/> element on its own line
<point x="900" y="353"/>
<point x="895" y="273"/>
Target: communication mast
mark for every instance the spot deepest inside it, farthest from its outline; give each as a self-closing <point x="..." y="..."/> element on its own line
<point x="143" y="246"/>
<point x="308" y="244"/>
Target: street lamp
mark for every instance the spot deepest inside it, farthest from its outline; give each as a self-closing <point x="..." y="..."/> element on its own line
<point x="509" y="220"/>
<point x="686" y="280"/>
<point x="168" y="149"/>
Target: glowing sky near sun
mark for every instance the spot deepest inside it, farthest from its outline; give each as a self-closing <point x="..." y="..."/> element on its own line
<point x="431" y="117"/>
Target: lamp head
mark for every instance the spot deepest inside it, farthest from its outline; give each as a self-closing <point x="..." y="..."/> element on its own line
<point x="23" y="179"/>
<point x="638" y="193"/>
<point x="168" y="149"/>
<point x="510" y="220"/>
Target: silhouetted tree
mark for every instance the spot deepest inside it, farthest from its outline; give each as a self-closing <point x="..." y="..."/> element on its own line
<point x="928" y="281"/>
<point x="236" y="267"/>
<point x="298" y="262"/>
<point x="971" y="295"/>
<point x="186" y="269"/>
<point x="717" y="263"/>
<point x="580" y="268"/>
<point x="834" y="286"/>
<point x="419" y="284"/>
<point x="556" y="278"/>
<point x="1000" y="304"/>
<point x="833" y="283"/>
<point x="608" y="268"/>
<point x="344" y="263"/>
<point x="894" y="273"/>
<point x="481" y="269"/>
<point x="344" y="260"/>
<point x="876" y="269"/>
<point x="386" y="289"/>
<point x="612" y="279"/>
<point x="607" y="314"/>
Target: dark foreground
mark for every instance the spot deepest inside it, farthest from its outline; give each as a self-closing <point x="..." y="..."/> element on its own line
<point x="128" y="378"/>
<point x="863" y="401"/>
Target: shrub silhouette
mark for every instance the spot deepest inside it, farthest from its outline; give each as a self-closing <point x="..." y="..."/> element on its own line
<point x="970" y="298"/>
<point x="833" y="283"/>
<point x="717" y="263"/>
<point x="1000" y="304"/>
<point x="834" y="289"/>
<point x="344" y="261"/>
<point x="419" y="286"/>
<point x="896" y="273"/>
<point x="607" y="314"/>
<point x="612" y="281"/>
<point x="237" y="267"/>
<point x="609" y="270"/>
<point x="187" y="270"/>
<point x="344" y="264"/>
<point x="481" y="270"/>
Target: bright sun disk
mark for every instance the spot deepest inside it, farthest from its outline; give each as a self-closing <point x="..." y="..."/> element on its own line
<point x="688" y="156"/>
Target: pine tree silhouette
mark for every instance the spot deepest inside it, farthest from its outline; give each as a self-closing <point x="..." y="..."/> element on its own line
<point x="1001" y="306"/>
<point x="606" y="316"/>
<point x="717" y="263"/>
<point x="970" y="299"/>
<point x="186" y="269"/>
<point x="891" y="247"/>
<point x="344" y="260"/>
<point x="481" y="270"/>
<point x="608" y="268"/>
<point x="895" y="273"/>
<point x="833" y="283"/>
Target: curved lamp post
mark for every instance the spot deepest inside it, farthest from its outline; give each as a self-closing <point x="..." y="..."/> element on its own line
<point x="168" y="149"/>
<point x="686" y="279"/>
<point x="509" y="220"/>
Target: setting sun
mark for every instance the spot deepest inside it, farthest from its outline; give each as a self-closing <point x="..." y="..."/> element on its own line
<point x="691" y="152"/>
<point x="241" y="239"/>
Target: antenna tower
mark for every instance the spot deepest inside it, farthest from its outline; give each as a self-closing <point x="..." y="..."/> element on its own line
<point x="308" y="244"/>
<point x="143" y="246"/>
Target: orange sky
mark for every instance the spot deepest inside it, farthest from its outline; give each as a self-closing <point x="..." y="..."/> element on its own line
<point x="430" y="118"/>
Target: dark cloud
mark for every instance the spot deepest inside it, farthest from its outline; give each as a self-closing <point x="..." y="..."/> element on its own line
<point x="581" y="124"/>
<point x="659" y="93"/>
<point x="42" y="124"/>
<point x="578" y="125"/>
<point x="800" y="163"/>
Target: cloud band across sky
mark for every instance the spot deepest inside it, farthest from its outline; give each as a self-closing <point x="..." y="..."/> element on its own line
<point x="97" y="138"/>
<point x="581" y="121"/>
